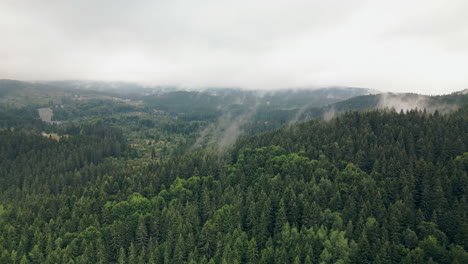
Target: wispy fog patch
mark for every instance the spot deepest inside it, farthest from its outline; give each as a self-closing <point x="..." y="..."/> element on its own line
<point x="329" y="114"/>
<point x="403" y="102"/>
<point x="202" y="137"/>
<point x="227" y="129"/>
<point x="233" y="130"/>
<point x="298" y="114"/>
<point x="230" y="134"/>
<point x="406" y="102"/>
<point x="441" y="107"/>
<point x="45" y="114"/>
<point x="238" y="100"/>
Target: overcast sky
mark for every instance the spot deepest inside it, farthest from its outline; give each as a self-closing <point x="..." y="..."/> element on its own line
<point x="398" y="45"/>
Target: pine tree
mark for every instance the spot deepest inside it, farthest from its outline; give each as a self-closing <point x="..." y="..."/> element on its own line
<point x="252" y="251"/>
<point x="281" y="217"/>
<point x="132" y="254"/>
<point x="122" y="256"/>
<point x="141" y="236"/>
<point x="179" y="250"/>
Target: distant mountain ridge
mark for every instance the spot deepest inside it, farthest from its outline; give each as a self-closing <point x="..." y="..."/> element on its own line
<point x="280" y="106"/>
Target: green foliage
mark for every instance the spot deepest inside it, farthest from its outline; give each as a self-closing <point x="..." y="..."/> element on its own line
<point x="374" y="187"/>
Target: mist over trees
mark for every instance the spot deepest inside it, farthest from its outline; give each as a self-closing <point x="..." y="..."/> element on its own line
<point x="121" y="183"/>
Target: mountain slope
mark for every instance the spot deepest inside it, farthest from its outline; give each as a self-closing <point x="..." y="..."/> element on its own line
<point x="365" y="187"/>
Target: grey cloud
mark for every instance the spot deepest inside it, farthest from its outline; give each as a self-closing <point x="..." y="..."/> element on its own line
<point x="386" y="45"/>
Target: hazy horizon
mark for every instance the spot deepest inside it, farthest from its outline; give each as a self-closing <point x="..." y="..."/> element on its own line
<point x="398" y="46"/>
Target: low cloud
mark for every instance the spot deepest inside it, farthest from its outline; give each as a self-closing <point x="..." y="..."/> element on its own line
<point x="298" y="114"/>
<point x="402" y="102"/>
<point x="329" y="114"/>
<point x="227" y="129"/>
<point x="253" y="44"/>
<point x="407" y="102"/>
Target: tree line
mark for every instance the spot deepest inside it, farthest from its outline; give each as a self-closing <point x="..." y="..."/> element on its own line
<point x="366" y="187"/>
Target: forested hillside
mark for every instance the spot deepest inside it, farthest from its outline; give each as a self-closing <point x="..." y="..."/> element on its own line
<point x="233" y="132"/>
<point x="166" y="119"/>
<point x="365" y="187"/>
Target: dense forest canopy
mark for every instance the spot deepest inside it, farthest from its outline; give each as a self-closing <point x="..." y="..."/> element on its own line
<point x="118" y="182"/>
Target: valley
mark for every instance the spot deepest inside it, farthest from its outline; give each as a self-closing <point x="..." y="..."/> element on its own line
<point x="332" y="175"/>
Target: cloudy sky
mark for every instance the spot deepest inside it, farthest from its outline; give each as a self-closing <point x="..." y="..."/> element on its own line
<point x="398" y="45"/>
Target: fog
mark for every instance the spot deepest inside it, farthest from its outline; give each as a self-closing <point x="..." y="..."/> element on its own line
<point x="226" y="130"/>
<point x="406" y="102"/>
<point x="402" y="102"/>
<point x="398" y="46"/>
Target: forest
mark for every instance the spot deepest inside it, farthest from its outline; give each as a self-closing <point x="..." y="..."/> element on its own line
<point x="111" y="186"/>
